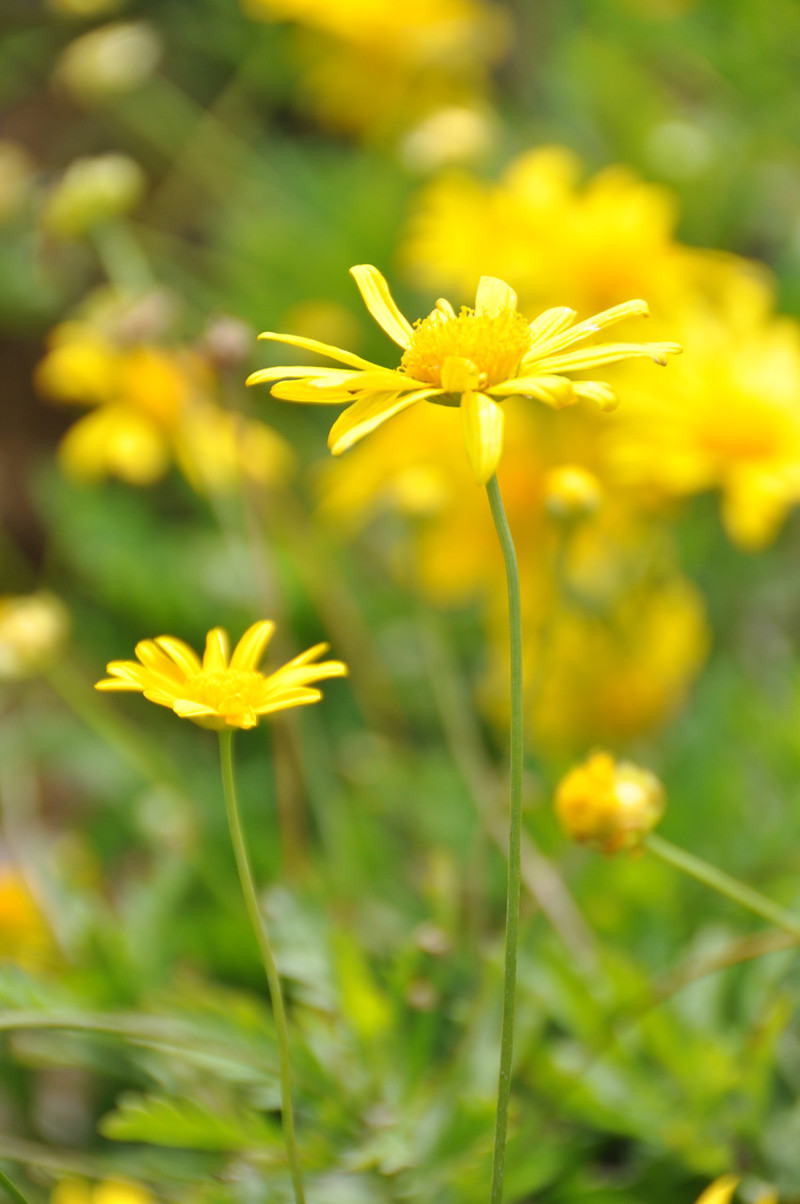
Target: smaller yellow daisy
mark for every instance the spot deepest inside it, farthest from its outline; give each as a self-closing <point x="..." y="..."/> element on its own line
<point x="223" y="690"/>
<point x="474" y="359"/>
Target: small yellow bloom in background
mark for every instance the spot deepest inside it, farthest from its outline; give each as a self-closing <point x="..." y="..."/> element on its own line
<point x="223" y="690"/>
<point x="720" y="1191"/>
<point x="571" y="491"/>
<point x="108" y="1191"/>
<point x="610" y="804"/>
<point x="92" y="190"/>
<point x="108" y="61"/>
<point x="33" y="628"/>
<point x="474" y="359"/>
<point x="151" y="405"/>
<point x="25" y="936"/>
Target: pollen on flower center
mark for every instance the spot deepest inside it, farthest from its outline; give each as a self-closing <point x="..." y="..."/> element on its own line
<point x="227" y="691"/>
<point x="495" y="345"/>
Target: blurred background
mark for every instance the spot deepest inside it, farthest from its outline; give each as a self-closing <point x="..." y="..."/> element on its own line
<point x="174" y="178"/>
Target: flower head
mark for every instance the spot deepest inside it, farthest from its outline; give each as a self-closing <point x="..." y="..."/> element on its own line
<point x="474" y="359"/>
<point x="33" y="628"/>
<point x="223" y="690"/>
<point x="610" y="804"/>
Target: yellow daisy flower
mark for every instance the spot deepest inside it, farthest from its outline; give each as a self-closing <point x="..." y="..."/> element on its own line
<point x="222" y="691"/>
<point x="474" y="359"/>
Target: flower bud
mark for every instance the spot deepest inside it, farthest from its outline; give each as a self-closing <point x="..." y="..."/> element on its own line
<point x="609" y="804"/>
<point x="571" y="492"/>
<point x="32" y="629"/>
<point x="16" y="174"/>
<point x="92" y="191"/>
<point x="108" y="61"/>
<point x="81" y="9"/>
<point x="451" y="135"/>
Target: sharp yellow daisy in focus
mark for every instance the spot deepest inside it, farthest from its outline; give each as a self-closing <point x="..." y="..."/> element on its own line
<point x="474" y="359"/>
<point x="224" y="690"/>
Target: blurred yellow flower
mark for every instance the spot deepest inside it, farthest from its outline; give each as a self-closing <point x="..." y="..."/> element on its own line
<point x="223" y="690"/>
<point x="474" y="359"/>
<point x="720" y="1191"/>
<point x="25" y="936"/>
<point x="410" y="59"/>
<point x="617" y="670"/>
<point x="152" y="405"/>
<point x="93" y="190"/>
<point x="729" y="418"/>
<point x="108" y="61"/>
<point x="551" y="236"/>
<point x="108" y="1191"/>
<point x="571" y="491"/>
<point x="610" y="804"/>
<point x="33" y="628"/>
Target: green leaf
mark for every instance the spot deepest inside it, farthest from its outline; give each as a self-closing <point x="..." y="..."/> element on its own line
<point x="189" y="1124"/>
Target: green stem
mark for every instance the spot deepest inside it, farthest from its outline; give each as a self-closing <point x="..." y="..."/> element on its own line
<point x="514" y="840"/>
<point x="719" y="881"/>
<point x="11" y="1190"/>
<point x="267" y="957"/>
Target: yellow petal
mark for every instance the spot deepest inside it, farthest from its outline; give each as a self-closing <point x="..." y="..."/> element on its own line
<point x="334" y="353"/>
<point x="584" y="330"/>
<point x="720" y="1191"/>
<point x="289" y="698"/>
<point x="494" y="297"/>
<point x="368" y="413"/>
<point x="459" y="375"/>
<point x="607" y="353"/>
<point x="482" y="424"/>
<point x="181" y="653"/>
<point x="307" y="391"/>
<point x="266" y="375"/>
<point x="555" y="391"/>
<point x="217" y="650"/>
<point x="187" y="709"/>
<point x="250" y="649"/>
<point x="552" y="322"/>
<point x="381" y="304"/>
<point x="156" y="660"/>
<point x="597" y="391"/>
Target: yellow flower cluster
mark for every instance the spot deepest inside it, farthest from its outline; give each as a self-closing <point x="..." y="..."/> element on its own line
<point x="409" y="59"/>
<point x="152" y="405"/>
<point x="614" y="645"/>
<point x="725" y="417"/>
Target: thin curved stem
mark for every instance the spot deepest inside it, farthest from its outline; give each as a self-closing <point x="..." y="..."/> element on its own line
<point x="11" y="1189"/>
<point x="723" y="883"/>
<point x="514" y="840"/>
<point x="267" y="957"/>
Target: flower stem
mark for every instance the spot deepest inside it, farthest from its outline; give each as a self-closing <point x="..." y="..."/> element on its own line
<point x="514" y="840"/>
<point x="11" y="1190"/>
<point x="726" y="885"/>
<point x="267" y="957"/>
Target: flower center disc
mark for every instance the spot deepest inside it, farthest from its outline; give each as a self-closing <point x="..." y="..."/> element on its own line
<point x="495" y="345"/>
<point x="228" y="691"/>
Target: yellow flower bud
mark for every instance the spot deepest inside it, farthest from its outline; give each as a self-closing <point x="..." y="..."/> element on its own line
<point x="571" y="492"/>
<point x="92" y="191"/>
<point x="108" y="61"/>
<point x="32" y="630"/>
<point x="609" y="804"/>
<point x="16" y="174"/>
